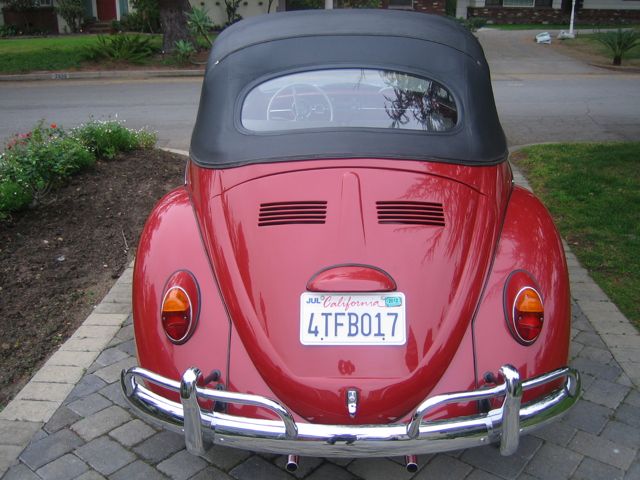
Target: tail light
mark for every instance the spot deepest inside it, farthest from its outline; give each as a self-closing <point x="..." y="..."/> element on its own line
<point x="180" y="306"/>
<point x="523" y="307"/>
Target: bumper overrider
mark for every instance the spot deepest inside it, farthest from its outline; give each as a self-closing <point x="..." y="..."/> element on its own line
<point x="286" y="436"/>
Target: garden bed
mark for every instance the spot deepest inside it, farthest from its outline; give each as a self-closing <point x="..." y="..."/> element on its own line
<point x="58" y="260"/>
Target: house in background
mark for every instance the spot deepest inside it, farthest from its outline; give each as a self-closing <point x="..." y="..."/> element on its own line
<point x="551" y="11"/>
<point x="45" y="19"/>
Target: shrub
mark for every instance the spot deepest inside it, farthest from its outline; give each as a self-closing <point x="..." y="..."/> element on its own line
<point x="105" y="139"/>
<point x="199" y="23"/>
<point x="619" y="42"/>
<point x="73" y="13"/>
<point x="128" y="48"/>
<point x="8" y="31"/>
<point x="183" y="51"/>
<point x="473" y="23"/>
<point x="35" y="162"/>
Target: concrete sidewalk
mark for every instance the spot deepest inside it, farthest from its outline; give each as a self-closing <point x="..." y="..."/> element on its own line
<point x="71" y="421"/>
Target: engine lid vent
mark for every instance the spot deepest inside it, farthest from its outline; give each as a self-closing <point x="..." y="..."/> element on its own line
<point x="292" y="213"/>
<point x="410" y="213"/>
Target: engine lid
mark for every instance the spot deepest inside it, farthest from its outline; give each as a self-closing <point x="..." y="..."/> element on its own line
<point x="274" y="238"/>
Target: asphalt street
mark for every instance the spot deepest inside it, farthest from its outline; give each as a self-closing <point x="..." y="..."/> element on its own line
<point x="541" y="94"/>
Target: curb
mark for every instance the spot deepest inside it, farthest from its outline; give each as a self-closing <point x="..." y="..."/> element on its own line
<point x="104" y="74"/>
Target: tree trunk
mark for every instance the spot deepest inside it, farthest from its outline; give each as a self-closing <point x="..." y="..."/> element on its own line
<point x="617" y="60"/>
<point x="173" y="21"/>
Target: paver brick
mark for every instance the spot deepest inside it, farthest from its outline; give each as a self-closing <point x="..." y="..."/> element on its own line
<point x="86" y="386"/>
<point x="110" y="356"/>
<point x="622" y="433"/>
<point x="20" y="472"/>
<point x="89" y="405"/>
<point x="226" y="458"/>
<point x="482" y="475"/>
<point x="329" y="471"/>
<point x="488" y="458"/>
<point x="181" y="465"/>
<point x="29" y="410"/>
<point x="64" y="468"/>
<point x="111" y="373"/>
<point x="100" y="423"/>
<point x="591" y="469"/>
<point x="554" y="462"/>
<point x="111" y="307"/>
<point x="444" y="466"/>
<point x="105" y="455"/>
<point x="633" y="398"/>
<point x="116" y="319"/>
<point x="597" y="369"/>
<point x="132" y="433"/>
<point x="114" y="393"/>
<point x="8" y="455"/>
<point x="90" y="475"/>
<point x="559" y="433"/>
<point x="634" y="472"/>
<point x="49" y="392"/>
<point x="604" y="392"/>
<point x="137" y="470"/>
<point x="588" y="416"/>
<point x="378" y="469"/>
<point x="628" y="414"/>
<point x="160" y="446"/>
<point x="591" y="339"/>
<point x="211" y="473"/>
<point x="18" y="433"/>
<point x="306" y="465"/>
<point x="78" y="359"/>
<point x="603" y="450"/>
<point x="59" y="374"/>
<point x="257" y="467"/>
<point x="85" y="344"/>
<point x="43" y="451"/>
<point x="601" y="355"/>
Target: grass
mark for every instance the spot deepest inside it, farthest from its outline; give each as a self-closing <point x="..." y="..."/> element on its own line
<point x="593" y="193"/>
<point x="588" y="45"/>
<point x="46" y="53"/>
<point x="551" y="26"/>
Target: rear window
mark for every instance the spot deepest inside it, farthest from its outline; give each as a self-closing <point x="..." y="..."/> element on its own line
<point x="345" y="98"/>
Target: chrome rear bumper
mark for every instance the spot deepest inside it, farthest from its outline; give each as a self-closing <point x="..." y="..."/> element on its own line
<point x="504" y="424"/>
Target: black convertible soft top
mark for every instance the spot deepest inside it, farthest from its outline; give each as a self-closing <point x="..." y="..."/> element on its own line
<point x="253" y="51"/>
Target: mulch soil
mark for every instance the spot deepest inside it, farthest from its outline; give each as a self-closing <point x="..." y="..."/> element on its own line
<point x="59" y="259"/>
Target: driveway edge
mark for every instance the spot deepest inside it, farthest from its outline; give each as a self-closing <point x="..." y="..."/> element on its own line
<point x="38" y="400"/>
<point x="101" y="74"/>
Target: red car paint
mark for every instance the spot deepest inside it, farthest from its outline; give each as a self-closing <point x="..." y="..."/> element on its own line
<point x="251" y="278"/>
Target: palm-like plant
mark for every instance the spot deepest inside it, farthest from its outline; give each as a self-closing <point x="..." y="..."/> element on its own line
<point x="619" y="42"/>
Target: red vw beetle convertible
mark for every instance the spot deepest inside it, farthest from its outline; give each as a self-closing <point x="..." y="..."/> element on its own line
<point x="348" y="269"/>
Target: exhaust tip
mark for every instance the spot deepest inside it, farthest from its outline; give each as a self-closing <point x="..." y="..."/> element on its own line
<point x="292" y="463"/>
<point x="411" y="463"/>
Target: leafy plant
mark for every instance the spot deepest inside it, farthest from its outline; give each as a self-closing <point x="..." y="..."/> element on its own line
<point x="231" y="9"/>
<point x="183" y="51"/>
<point x="473" y="23"/>
<point x="145" y="18"/>
<point x="200" y="24"/>
<point x="129" y="48"/>
<point x="8" y="31"/>
<point x="37" y="161"/>
<point x="105" y="139"/>
<point x="619" y="42"/>
<point x="73" y="13"/>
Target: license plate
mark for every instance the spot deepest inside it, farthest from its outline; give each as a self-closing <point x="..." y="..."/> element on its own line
<point x="352" y="319"/>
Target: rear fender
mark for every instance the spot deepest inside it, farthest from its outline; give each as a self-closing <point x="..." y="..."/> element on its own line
<point x="529" y="241"/>
<point x="170" y="242"/>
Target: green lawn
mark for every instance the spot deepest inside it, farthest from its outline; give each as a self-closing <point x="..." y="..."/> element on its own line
<point x="47" y="53"/>
<point x="593" y="192"/>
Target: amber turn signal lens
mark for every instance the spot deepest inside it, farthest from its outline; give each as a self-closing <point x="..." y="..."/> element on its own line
<point x="176" y="314"/>
<point x="528" y="314"/>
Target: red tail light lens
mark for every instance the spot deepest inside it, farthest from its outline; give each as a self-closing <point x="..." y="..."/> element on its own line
<point x="523" y="306"/>
<point x="180" y="307"/>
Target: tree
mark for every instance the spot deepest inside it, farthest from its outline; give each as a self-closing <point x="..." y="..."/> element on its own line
<point x="619" y="42"/>
<point x="173" y="20"/>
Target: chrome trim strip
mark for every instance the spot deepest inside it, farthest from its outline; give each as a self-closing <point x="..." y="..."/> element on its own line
<point x="191" y="409"/>
<point x="284" y="436"/>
